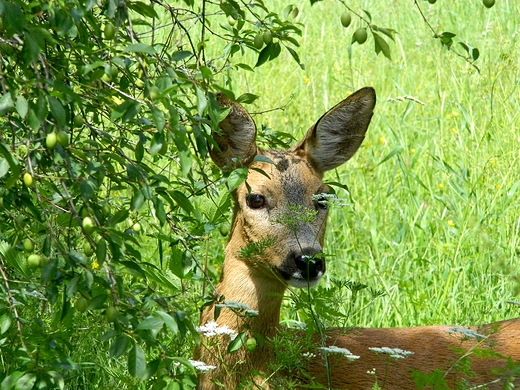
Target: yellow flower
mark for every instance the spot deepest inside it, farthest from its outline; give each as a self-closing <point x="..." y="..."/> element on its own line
<point x="448" y="117"/>
<point x="412" y="151"/>
<point x="454" y="113"/>
<point x="382" y="140"/>
<point x="450" y="223"/>
<point x="95" y="265"/>
<point x="454" y="130"/>
<point x="306" y="79"/>
<point x="441" y="186"/>
<point x="498" y="186"/>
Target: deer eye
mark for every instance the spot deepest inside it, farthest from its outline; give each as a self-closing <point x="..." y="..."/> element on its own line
<point x="255" y="201"/>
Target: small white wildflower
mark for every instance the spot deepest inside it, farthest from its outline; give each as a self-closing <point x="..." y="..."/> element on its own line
<point x="466" y="332"/>
<point x="394" y="353"/>
<point x="201" y="366"/>
<point x="329" y="200"/>
<point x="309" y="355"/>
<point x="213" y="329"/>
<point x="342" y="351"/>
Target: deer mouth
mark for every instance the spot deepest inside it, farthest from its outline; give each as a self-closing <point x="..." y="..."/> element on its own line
<point x="302" y="270"/>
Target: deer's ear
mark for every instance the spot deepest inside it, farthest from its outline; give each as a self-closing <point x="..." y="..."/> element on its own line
<point x="339" y="133"/>
<point x="236" y="145"/>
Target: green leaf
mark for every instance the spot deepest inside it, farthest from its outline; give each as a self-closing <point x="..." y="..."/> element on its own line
<point x="264" y="55"/>
<point x="150" y="323"/>
<point x="158" y="142"/>
<point x="236" y="177"/>
<point x="6" y="103"/>
<point x="26" y="382"/>
<point x="202" y="102"/>
<point x="181" y="55"/>
<point x="237" y="343"/>
<point x="158" y="118"/>
<point x="120" y="345"/>
<point x="9" y="382"/>
<point x="246" y="98"/>
<point x="13" y="163"/>
<point x="391" y="154"/>
<point x="57" y="111"/>
<point x="30" y="49"/>
<point x="14" y="19"/>
<point x="21" y="106"/>
<point x="381" y="45"/>
<point x="5" y="323"/>
<point x="136" y="362"/>
<point x="182" y="201"/>
<point x="137" y="200"/>
<point x="140" y="48"/>
<point x="296" y="57"/>
<point x="169" y="321"/>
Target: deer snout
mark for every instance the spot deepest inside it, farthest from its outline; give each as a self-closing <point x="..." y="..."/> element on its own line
<point x="303" y="269"/>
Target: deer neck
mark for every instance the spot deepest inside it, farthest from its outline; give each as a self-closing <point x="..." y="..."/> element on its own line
<point x="250" y="287"/>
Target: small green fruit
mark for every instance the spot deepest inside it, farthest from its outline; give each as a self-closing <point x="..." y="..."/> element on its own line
<point x="113" y="71"/>
<point x="87" y="249"/>
<point x="224" y="229"/>
<point x="488" y="3"/>
<point x="51" y="140"/>
<point x="189" y="129"/>
<point x="28" y="179"/>
<point x="267" y="37"/>
<point x="154" y="92"/>
<point x="28" y="245"/>
<point x="106" y="78"/>
<point x="109" y="31"/>
<point x="111" y="314"/>
<point x="346" y="19"/>
<point x="78" y="121"/>
<point x="250" y="344"/>
<point x="81" y="304"/>
<point x="88" y="225"/>
<point x="63" y="138"/>
<point x="106" y="210"/>
<point x="231" y="21"/>
<point x="136" y="227"/>
<point x="258" y="42"/>
<point x="360" y="36"/>
<point x="34" y="261"/>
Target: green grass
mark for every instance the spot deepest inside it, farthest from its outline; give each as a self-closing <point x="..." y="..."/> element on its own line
<point x="435" y="225"/>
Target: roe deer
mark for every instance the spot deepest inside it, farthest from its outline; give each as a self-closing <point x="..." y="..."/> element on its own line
<point x="272" y="246"/>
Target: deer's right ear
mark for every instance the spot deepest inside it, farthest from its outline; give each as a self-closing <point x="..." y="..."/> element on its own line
<point x="236" y="145"/>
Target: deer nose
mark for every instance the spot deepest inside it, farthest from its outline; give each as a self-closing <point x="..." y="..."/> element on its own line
<point x="311" y="267"/>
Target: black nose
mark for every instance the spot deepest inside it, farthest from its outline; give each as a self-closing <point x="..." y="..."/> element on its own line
<point x="310" y="266"/>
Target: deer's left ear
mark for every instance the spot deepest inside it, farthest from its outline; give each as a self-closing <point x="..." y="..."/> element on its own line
<point x="338" y="134"/>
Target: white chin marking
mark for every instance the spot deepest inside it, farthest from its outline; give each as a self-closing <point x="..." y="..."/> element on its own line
<point x="303" y="283"/>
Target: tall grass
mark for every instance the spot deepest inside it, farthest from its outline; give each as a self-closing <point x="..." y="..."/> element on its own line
<point x="434" y="212"/>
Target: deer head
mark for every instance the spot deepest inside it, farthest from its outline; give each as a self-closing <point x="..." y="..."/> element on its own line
<point x="281" y="209"/>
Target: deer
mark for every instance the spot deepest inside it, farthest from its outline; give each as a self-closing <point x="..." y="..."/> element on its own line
<point x="265" y="255"/>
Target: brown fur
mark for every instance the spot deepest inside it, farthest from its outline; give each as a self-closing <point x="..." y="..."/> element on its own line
<point x="260" y="277"/>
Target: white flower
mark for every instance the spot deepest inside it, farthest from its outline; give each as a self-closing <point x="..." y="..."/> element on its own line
<point x="466" y="332"/>
<point x="394" y="353"/>
<point x="213" y="329"/>
<point x="342" y="351"/>
<point x="329" y="200"/>
<point x="201" y="366"/>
